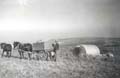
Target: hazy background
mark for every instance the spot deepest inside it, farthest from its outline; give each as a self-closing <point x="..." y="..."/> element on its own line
<point x="31" y="20"/>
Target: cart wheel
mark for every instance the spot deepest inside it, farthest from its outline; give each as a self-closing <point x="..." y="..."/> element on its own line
<point x="43" y="55"/>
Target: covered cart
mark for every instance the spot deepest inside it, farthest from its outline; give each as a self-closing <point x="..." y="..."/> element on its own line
<point x="39" y="50"/>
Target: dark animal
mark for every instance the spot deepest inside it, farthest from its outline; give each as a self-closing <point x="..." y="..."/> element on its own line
<point x="26" y="47"/>
<point x="6" y="48"/>
<point x="2" y="45"/>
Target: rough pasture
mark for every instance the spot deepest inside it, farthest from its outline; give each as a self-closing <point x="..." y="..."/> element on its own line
<point x="67" y="66"/>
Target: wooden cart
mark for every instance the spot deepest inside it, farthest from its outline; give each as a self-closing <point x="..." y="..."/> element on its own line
<point x="39" y="51"/>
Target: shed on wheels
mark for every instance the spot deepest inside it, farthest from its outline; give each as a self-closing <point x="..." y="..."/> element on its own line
<point x="39" y="50"/>
<point x="86" y="49"/>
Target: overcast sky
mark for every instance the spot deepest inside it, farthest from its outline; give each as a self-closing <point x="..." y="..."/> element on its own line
<point x="30" y="20"/>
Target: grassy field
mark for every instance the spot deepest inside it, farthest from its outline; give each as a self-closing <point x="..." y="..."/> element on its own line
<point x="67" y="65"/>
<point x="105" y="44"/>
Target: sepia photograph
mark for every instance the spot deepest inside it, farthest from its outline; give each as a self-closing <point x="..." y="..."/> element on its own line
<point x="59" y="38"/>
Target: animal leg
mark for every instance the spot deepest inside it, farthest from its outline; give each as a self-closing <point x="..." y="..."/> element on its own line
<point x="7" y="55"/>
<point x="55" y="57"/>
<point x="2" y="53"/>
<point x="47" y="57"/>
<point x="50" y="56"/>
<point x="20" y="54"/>
<point x="29" y="55"/>
<point x="10" y="53"/>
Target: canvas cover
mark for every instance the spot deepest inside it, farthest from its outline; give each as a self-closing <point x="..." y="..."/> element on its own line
<point x="38" y="46"/>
